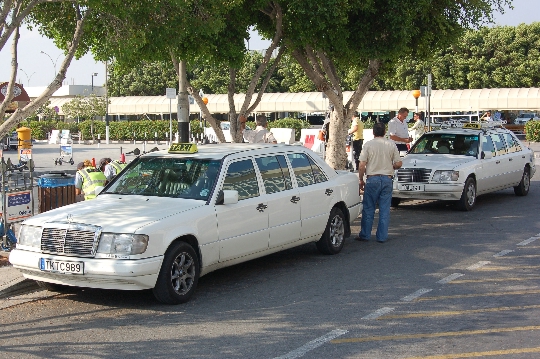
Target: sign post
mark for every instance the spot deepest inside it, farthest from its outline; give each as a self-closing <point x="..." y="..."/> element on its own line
<point x="171" y="93"/>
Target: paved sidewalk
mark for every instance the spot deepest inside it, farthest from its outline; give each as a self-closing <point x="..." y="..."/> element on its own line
<point x="12" y="282"/>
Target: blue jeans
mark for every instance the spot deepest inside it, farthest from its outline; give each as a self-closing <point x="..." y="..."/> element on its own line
<point x="377" y="189"/>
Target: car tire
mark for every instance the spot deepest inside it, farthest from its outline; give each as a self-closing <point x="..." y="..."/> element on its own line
<point x="395" y="202"/>
<point x="522" y="189"/>
<point x="333" y="238"/>
<point x="53" y="287"/>
<point x="178" y="276"/>
<point x="468" y="196"/>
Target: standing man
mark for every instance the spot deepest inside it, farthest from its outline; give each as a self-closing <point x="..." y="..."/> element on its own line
<point x="419" y="128"/>
<point x="399" y="131"/>
<point x="260" y="134"/>
<point x="357" y="130"/>
<point x="378" y="160"/>
<point x="486" y="116"/>
<point x="87" y="179"/>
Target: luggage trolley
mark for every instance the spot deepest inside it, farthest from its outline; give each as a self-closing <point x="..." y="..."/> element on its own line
<point x="16" y="200"/>
<point x="66" y="149"/>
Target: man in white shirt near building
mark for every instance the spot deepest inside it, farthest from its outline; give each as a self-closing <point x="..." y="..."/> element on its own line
<point x="260" y="134"/>
<point x="399" y="131"/>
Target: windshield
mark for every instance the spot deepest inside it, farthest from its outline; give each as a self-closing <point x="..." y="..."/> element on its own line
<point x="447" y="143"/>
<point x="168" y="177"/>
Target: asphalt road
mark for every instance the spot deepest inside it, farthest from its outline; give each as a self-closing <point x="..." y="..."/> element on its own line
<point x="448" y="284"/>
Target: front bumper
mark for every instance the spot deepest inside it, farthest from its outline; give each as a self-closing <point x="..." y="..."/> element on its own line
<point x="435" y="191"/>
<point x="98" y="273"/>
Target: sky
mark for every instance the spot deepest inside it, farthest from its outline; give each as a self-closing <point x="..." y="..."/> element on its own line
<point x="38" y="69"/>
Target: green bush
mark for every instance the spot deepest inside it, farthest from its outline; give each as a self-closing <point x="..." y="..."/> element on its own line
<point x="532" y="131"/>
<point x="138" y="130"/>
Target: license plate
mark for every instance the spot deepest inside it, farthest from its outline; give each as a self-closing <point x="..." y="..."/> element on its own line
<point x="50" y="265"/>
<point x="411" y="187"/>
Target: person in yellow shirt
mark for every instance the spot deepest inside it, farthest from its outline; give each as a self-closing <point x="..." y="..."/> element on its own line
<point x="357" y="130"/>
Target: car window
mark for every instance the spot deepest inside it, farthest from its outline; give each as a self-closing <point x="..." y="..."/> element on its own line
<point x="498" y="143"/>
<point x="511" y="143"/>
<point x="447" y="143"/>
<point x="167" y="177"/>
<point x="302" y="169"/>
<point x="285" y="170"/>
<point x="318" y="174"/>
<point x="241" y="177"/>
<point x="487" y="145"/>
<point x="274" y="179"/>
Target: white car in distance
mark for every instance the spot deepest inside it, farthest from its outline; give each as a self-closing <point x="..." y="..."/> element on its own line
<point x="460" y="163"/>
<point x="173" y="216"/>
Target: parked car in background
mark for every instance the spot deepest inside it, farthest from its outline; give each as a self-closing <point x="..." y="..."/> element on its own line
<point x="173" y="216"/>
<point x="461" y="162"/>
<point x="524" y="118"/>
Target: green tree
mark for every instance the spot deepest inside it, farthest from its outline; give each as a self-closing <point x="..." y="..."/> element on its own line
<point x="69" y="14"/>
<point x="368" y="37"/>
<point x="144" y="79"/>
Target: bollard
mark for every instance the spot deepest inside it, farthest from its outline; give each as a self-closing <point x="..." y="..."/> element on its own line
<point x="122" y="158"/>
<point x="93" y="162"/>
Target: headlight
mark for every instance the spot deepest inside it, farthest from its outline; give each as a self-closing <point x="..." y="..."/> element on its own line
<point x="445" y="176"/>
<point x="119" y="243"/>
<point x="30" y="236"/>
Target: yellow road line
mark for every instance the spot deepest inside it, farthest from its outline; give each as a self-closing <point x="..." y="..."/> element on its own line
<point x="494" y="268"/>
<point x="518" y="292"/>
<point x="455" y="312"/>
<point x="481" y="354"/>
<point x="434" y="335"/>
<point x="462" y="281"/>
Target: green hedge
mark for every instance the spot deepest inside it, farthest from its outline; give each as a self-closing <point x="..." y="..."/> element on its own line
<point x="129" y="130"/>
<point x="532" y="131"/>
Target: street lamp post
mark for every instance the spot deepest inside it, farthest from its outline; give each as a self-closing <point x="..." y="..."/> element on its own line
<point x="93" y="74"/>
<point x="53" y="62"/>
<point x="416" y="95"/>
<point x="28" y="78"/>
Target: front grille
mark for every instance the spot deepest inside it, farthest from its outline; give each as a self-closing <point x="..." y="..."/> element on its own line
<point x="70" y="240"/>
<point x="407" y="175"/>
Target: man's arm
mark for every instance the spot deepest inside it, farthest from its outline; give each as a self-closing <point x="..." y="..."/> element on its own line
<point x="361" y="173"/>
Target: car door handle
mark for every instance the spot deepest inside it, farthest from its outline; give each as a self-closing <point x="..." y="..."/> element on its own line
<point x="497" y="162"/>
<point x="295" y="199"/>
<point x="328" y="191"/>
<point x="510" y="159"/>
<point x="261" y="207"/>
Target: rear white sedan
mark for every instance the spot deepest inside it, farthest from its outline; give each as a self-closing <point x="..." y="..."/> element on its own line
<point x="173" y="216"/>
<point x="458" y="164"/>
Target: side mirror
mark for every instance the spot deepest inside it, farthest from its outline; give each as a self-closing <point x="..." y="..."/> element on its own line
<point x="227" y="197"/>
<point x="487" y="155"/>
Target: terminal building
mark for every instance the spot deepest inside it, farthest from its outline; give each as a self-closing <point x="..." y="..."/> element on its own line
<point x="468" y="102"/>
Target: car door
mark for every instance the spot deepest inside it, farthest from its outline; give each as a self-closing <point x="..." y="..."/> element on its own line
<point x="316" y="194"/>
<point x="486" y="176"/>
<point x="502" y="161"/>
<point x="283" y="200"/>
<point x="242" y="227"/>
<point x="516" y="159"/>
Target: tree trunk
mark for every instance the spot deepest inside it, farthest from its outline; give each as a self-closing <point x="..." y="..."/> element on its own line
<point x="321" y="71"/>
<point x="32" y="106"/>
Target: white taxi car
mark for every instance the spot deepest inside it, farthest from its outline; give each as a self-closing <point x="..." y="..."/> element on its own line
<point x="173" y="216"/>
<point x="461" y="161"/>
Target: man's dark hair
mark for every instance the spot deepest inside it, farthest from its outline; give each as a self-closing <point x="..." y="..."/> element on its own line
<point x="403" y="110"/>
<point x="379" y="129"/>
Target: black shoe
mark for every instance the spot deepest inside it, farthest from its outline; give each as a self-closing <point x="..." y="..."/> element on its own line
<point x="381" y="241"/>
<point x="360" y="239"/>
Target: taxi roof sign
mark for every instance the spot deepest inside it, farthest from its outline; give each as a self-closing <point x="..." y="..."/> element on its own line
<point x="183" y="148"/>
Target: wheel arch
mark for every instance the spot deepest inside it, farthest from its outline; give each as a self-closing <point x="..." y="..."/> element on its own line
<point x="345" y="210"/>
<point x="193" y="242"/>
